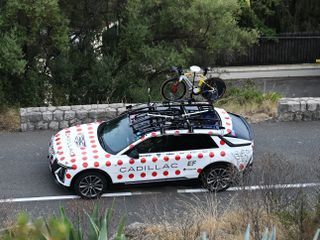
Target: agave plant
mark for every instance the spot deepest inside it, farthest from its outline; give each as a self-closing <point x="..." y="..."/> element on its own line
<point x="57" y="228"/>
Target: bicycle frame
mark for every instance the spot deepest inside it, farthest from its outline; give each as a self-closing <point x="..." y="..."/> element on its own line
<point x="189" y="83"/>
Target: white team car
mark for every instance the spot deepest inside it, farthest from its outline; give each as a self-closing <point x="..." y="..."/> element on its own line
<point x="152" y="143"/>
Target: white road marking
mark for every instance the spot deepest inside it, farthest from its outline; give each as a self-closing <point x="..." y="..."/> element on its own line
<point x="128" y="194"/>
<point x="254" y="188"/>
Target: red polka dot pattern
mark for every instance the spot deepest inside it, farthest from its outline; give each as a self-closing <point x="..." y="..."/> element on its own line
<point x="120" y="162"/>
<point x="165" y="173"/>
<point x="131" y="175"/>
<point x="143" y="160"/>
<point x="108" y="163"/>
<point x="74" y="167"/>
<point x="131" y="161"/>
<point x="200" y="155"/>
<point x="154" y="159"/>
<point x="166" y="158"/>
<point x="143" y="175"/>
<point x="177" y="157"/>
<point x="222" y="142"/>
<point x="96" y="164"/>
<point x="119" y="176"/>
<point x="107" y="155"/>
<point x="177" y="172"/>
<point x="153" y="134"/>
<point x="154" y="174"/>
<point x="223" y="153"/>
<point x="241" y="166"/>
<point x="68" y="176"/>
<point x="189" y="156"/>
<point x="85" y="158"/>
<point x="73" y="160"/>
<point x="85" y="165"/>
<point x="199" y="170"/>
<point x="211" y="154"/>
<point x="62" y="158"/>
<point x="95" y="156"/>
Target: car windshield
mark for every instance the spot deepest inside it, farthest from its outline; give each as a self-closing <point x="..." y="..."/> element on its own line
<point x="116" y="134"/>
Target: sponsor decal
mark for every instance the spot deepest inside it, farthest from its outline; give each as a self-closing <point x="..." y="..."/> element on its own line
<point x="79" y="141"/>
<point x="71" y="151"/>
<point x="141" y="168"/>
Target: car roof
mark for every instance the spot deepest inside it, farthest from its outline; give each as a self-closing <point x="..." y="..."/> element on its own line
<point x="146" y="118"/>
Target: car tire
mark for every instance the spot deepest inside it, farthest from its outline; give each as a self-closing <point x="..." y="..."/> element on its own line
<point x="217" y="178"/>
<point x="90" y="185"/>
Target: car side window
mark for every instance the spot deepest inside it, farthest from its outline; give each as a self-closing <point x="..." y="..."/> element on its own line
<point x="186" y="142"/>
<point x="151" y="145"/>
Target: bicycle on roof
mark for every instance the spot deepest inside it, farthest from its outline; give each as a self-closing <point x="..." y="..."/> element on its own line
<point x="176" y="88"/>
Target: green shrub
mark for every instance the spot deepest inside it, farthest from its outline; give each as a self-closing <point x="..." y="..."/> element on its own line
<point x="57" y="228"/>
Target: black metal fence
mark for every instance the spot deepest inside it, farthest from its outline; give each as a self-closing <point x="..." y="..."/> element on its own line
<point x="282" y="49"/>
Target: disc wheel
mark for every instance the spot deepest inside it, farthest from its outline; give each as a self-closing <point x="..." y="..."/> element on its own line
<point x="173" y="90"/>
<point x="217" y="178"/>
<point x="90" y="185"/>
<point x="213" y="89"/>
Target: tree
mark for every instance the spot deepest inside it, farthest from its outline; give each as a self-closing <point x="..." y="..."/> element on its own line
<point x="38" y="33"/>
<point x="146" y="38"/>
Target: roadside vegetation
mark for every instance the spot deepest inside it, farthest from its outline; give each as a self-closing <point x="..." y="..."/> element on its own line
<point x="250" y="102"/>
<point x="117" y="49"/>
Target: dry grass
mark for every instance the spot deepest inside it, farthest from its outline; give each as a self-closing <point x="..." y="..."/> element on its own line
<point x="254" y="112"/>
<point x="9" y="119"/>
<point x="209" y="218"/>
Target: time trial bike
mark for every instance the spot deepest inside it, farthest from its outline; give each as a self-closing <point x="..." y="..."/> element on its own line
<point x="176" y="88"/>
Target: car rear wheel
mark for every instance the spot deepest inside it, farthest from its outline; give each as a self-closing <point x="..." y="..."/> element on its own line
<point x="90" y="185"/>
<point x="217" y="178"/>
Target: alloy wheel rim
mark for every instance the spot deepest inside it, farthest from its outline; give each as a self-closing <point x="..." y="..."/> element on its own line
<point x="91" y="186"/>
<point x="218" y="179"/>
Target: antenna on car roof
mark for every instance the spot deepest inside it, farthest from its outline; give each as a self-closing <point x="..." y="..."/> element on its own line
<point x="149" y="96"/>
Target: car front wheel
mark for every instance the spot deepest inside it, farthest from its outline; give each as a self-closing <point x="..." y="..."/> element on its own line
<point x="217" y="178"/>
<point x="90" y="185"/>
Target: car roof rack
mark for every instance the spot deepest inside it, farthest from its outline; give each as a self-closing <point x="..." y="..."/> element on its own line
<point x="162" y="116"/>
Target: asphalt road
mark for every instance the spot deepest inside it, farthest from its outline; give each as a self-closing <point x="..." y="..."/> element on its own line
<point x="24" y="171"/>
<point x="287" y="86"/>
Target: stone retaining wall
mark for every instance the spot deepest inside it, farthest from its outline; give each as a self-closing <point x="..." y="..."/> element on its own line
<point x="36" y="118"/>
<point x="299" y="109"/>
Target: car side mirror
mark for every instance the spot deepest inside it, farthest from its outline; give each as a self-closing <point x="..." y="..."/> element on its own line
<point x="133" y="154"/>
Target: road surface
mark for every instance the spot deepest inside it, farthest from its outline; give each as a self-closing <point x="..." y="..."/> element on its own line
<point x="24" y="172"/>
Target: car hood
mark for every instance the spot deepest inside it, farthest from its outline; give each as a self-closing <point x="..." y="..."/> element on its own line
<point x="78" y="142"/>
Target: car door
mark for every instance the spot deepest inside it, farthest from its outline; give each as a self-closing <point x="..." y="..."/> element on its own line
<point x="150" y="164"/>
<point x="191" y="152"/>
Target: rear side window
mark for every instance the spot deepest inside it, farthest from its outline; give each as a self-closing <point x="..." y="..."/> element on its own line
<point x="240" y="128"/>
<point x="186" y="142"/>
